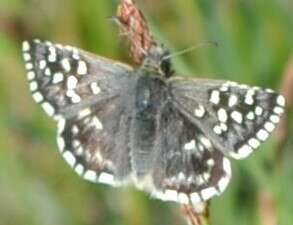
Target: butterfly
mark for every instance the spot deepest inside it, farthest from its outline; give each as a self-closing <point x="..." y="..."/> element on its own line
<point x="169" y="136"/>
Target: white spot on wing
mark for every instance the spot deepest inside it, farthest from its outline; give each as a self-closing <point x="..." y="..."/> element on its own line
<point x="33" y="86"/>
<point x="278" y="110"/>
<point x="66" y="64"/>
<point x="222" y="115"/>
<point x="84" y="113"/>
<point x="224" y="126"/>
<point x="171" y="195"/>
<point x="61" y="125"/>
<point x="76" y="143"/>
<point x="206" y="142"/>
<point x="195" y="198"/>
<point x="281" y="100"/>
<point x="254" y="143"/>
<point x="223" y="183"/>
<point x="210" y="162"/>
<point x="47" y="71"/>
<point x="60" y="143"/>
<point x="71" y="82"/>
<point x="69" y="158"/>
<point x="48" y="108"/>
<point x="243" y="86"/>
<point x="75" y="129"/>
<point x="199" y="111"/>
<point x="90" y="175"/>
<point x="106" y="178"/>
<point x="57" y="78"/>
<point x="97" y="123"/>
<point x="227" y="166"/>
<point x="79" y="169"/>
<point x="242" y="152"/>
<point x="81" y="68"/>
<point x="206" y="176"/>
<point x="75" y="54"/>
<point x="250" y="116"/>
<point x="190" y="145"/>
<point x="217" y="129"/>
<point x="42" y="64"/>
<point x="28" y="66"/>
<point x="31" y="75"/>
<point x="215" y="97"/>
<point x="249" y="97"/>
<point x="68" y="48"/>
<point x="262" y="134"/>
<point x="52" y="57"/>
<point x="232" y="100"/>
<point x="269" y="126"/>
<point x="224" y="88"/>
<point x="237" y="116"/>
<point x="158" y="195"/>
<point x="95" y="88"/>
<point x="208" y="193"/>
<point x="275" y="118"/>
<point x="258" y="110"/>
<point x="27" y="57"/>
<point x="25" y="46"/>
<point x="38" y="97"/>
<point x="199" y="180"/>
<point x="75" y="98"/>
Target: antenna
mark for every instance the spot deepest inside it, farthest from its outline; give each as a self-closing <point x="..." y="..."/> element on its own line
<point x="209" y="43"/>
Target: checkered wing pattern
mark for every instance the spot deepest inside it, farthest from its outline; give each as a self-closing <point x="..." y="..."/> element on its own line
<point x="64" y="79"/>
<point x="79" y="89"/>
<point x="167" y="136"/>
<point x="235" y="118"/>
<point x="189" y="167"/>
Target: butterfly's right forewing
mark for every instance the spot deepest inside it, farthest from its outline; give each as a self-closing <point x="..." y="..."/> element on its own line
<point x="64" y="79"/>
<point x="88" y="96"/>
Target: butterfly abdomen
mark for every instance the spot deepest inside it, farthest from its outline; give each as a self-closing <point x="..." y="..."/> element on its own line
<point x="149" y="100"/>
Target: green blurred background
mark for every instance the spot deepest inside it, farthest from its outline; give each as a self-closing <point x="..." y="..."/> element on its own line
<point x="37" y="187"/>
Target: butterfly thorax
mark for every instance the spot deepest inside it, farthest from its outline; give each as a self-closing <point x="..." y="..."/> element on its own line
<point x="156" y="62"/>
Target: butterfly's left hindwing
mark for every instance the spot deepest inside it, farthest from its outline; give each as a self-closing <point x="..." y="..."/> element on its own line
<point x="236" y="118"/>
<point x="189" y="168"/>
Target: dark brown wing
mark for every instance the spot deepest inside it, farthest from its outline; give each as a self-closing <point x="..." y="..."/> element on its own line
<point x="236" y="118"/>
<point x="189" y="168"/>
<point x="86" y="94"/>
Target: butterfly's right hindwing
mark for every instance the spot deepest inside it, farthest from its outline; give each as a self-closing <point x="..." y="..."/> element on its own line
<point x="95" y="142"/>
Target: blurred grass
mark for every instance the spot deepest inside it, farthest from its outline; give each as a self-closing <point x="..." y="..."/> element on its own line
<point x="36" y="186"/>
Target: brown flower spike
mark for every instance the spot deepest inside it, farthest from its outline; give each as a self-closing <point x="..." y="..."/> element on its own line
<point x="134" y="26"/>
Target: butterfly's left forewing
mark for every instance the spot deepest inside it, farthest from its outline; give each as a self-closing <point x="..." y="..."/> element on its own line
<point x="87" y="95"/>
<point x="235" y="118"/>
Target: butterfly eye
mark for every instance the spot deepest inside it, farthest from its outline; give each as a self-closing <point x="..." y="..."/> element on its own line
<point x="166" y="68"/>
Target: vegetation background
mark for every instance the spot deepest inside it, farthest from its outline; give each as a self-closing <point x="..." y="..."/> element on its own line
<point x="255" y="46"/>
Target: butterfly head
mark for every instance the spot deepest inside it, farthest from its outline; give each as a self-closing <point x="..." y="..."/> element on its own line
<point x="156" y="61"/>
